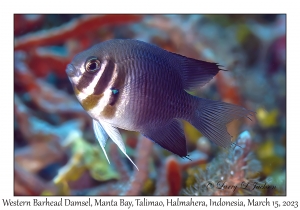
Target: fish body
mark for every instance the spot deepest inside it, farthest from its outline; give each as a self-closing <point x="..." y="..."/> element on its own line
<point x="137" y="86"/>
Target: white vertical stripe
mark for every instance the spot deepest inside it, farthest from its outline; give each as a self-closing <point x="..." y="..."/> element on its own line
<point x="89" y="90"/>
<point x="95" y="112"/>
<point x="81" y="96"/>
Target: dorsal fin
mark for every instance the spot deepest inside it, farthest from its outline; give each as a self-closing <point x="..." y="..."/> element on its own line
<point x="196" y="73"/>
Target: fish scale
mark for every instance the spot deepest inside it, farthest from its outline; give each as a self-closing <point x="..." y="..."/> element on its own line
<point x="147" y="86"/>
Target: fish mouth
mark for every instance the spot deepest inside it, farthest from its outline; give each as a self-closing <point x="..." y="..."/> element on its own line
<point x="71" y="71"/>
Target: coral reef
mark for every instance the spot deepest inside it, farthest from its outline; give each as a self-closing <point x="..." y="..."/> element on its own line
<point x="233" y="172"/>
<point x="55" y="149"/>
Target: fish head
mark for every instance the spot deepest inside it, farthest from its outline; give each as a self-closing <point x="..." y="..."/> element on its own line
<point x="86" y="69"/>
<point x="93" y="68"/>
<point x="92" y="74"/>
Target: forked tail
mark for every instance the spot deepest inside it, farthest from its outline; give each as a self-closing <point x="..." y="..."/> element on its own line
<point x="211" y="117"/>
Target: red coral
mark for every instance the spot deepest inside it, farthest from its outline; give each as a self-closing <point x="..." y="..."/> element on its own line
<point x="170" y="178"/>
<point x="173" y="175"/>
<point x="26" y="23"/>
<point x="26" y="183"/>
<point x="76" y="28"/>
<point x="43" y="62"/>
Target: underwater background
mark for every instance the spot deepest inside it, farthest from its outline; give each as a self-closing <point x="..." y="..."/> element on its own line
<point x="56" y="152"/>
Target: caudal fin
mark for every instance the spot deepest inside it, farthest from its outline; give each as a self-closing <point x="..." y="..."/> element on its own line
<point x="211" y="117"/>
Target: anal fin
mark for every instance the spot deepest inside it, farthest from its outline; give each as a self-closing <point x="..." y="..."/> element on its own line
<point x="170" y="137"/>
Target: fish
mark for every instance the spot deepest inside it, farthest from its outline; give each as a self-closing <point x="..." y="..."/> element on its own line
<point x="137" y="86"/>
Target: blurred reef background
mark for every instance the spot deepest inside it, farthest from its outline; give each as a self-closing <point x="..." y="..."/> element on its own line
<point x="56" y="152"/>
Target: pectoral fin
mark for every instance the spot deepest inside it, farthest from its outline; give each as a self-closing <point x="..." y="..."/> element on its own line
<point x="101" y="136"/>
<point x="170" y="137"/>
<point x="115" y="135"/>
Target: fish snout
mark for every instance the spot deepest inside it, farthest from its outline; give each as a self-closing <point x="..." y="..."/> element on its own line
<point x="71" y="71"/>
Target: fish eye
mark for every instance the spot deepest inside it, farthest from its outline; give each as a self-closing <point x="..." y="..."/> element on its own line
<point x="92" y="65"/>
